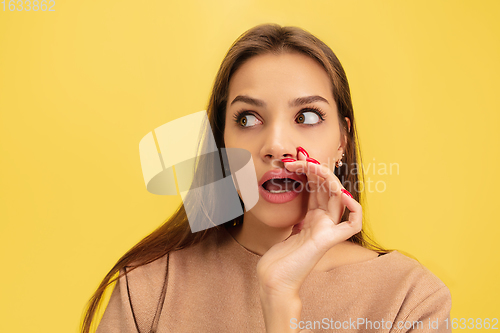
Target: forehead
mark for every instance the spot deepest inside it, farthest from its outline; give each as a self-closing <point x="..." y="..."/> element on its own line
<point x="273" y="76"/>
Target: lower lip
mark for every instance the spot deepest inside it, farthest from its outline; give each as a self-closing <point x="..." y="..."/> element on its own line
<point x="278" y="198"/>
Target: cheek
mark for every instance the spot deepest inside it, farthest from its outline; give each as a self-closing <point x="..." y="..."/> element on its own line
<point x="235" y="139"/>
<point x="227" y="138"/>
<point x="324" y="146"/>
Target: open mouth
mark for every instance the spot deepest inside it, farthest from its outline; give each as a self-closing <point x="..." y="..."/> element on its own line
<point x="280" y="185"/>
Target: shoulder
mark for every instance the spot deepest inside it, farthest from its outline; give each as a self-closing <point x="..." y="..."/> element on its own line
<point x="421" y="296"/>
<point x="393" y="276"/>
<point x="415" y="275"/>
<point x="130" y="308"/>
<point x="345" y="253"/>
<point x="149" y="271"/>
<point x="402" y="288"/>
<point x="424" y="297"/>
<point x="146" y="279"/>
<point x="408" y="271"/>
<point x="397" y="271"/>
<point x="392" y="269"/>
<point x="155" y="271"/>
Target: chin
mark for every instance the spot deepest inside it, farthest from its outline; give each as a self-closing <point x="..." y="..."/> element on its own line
<point x="278" y="216"/>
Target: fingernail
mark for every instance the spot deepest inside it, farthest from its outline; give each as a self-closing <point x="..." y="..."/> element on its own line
<point x="303" y="151"/>
<point x="310" y="159"/>
<point x="346" y="192"/>
<point x="288" y="160"/>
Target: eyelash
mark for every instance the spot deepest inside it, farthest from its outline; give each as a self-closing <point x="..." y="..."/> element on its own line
<point x="322" y="115"/>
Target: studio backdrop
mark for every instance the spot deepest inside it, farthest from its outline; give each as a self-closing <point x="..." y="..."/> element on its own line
<point x="83" y="82"/>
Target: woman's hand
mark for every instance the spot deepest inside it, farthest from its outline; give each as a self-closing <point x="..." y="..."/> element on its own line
<point x="285" y="266"/>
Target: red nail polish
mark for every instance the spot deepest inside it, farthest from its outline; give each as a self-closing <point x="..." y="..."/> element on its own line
<point x="310" y="159"/>
<point x="288" y="160"/>
<point x="346" y="192"/>
<point x="303" y="151"/>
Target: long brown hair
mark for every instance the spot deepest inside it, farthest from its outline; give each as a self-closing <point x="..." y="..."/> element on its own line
<point x="175" y="233"/>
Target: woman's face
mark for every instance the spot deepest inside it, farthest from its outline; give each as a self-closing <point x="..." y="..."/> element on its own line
<point x="287" y="102"/>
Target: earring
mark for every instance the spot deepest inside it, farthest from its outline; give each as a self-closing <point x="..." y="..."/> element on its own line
<point x="339" y="162"/>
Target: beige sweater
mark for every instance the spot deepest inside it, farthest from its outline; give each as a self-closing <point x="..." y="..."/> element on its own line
<point x="213" y="287"/>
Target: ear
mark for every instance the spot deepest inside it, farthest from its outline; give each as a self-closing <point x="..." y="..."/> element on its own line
<point x="348" y="124"/>
<point x="342" y="146"/>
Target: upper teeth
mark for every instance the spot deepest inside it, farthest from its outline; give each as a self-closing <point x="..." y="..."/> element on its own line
<point x="282" y="191"/>
<point x="286" y="180"/>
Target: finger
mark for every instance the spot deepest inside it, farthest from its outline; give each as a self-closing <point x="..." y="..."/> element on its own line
<point x="344" y="231"/>
<point x="314" y="199"/>
<point x="354" y="224"/>
<point x="336" y="209"/>
<point x="356" y="211"/>
<point x="303" y="166"/>
<point x="327" y="191"/>
<point x="309" y="186"/>
<point x="301" y="154"/>
<point x="318" y="191"/>
<point x="317" y="175"/>
<point x="322" y="192"/>
<point x="316" y="185"/>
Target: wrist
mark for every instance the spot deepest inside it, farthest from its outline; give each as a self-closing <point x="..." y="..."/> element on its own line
<point x="279" y="301"/>
<point x="280" y="312"/>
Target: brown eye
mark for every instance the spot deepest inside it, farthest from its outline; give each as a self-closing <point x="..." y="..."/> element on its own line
<point x="308" y="118"/>
<point x="248" y="120"/>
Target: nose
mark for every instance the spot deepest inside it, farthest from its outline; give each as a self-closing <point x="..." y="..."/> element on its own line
<point x="277" y="145"/>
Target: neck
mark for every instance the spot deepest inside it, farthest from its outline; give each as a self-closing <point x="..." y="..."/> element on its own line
<point x="256" y="236"/>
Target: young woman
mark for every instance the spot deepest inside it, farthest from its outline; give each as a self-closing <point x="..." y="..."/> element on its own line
<point x="299" y="260"/>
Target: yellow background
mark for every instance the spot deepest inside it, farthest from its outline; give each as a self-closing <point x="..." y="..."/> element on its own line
<point x="80" y="87"/>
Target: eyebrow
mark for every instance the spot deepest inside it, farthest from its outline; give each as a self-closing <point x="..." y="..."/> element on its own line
<point x="296" y="102"/>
